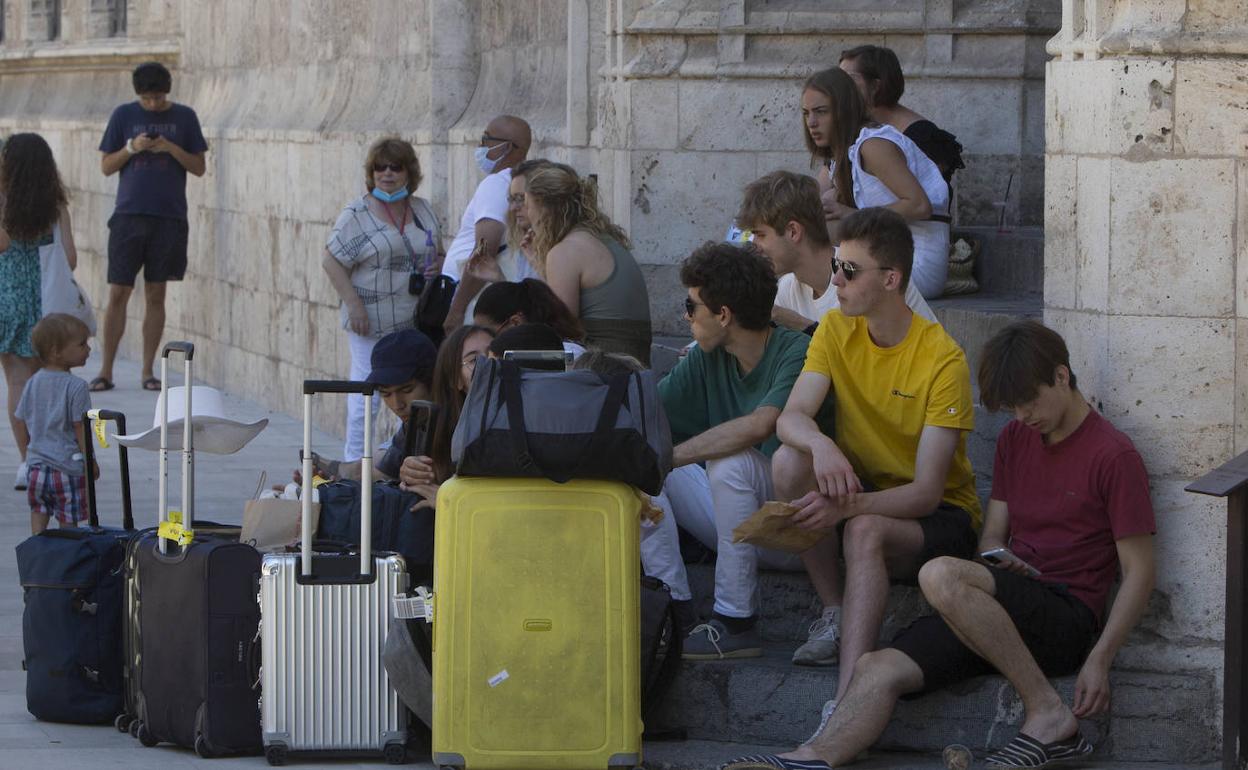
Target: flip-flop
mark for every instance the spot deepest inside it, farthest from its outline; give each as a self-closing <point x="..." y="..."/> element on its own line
<point x="773" y="762"/>
<point x="151" y="383"/>
<point x="100" y="384"/>
<point x="1025" y="751"/>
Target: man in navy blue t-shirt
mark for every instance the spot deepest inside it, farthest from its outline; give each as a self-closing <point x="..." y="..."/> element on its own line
<point x="153" y="143"/>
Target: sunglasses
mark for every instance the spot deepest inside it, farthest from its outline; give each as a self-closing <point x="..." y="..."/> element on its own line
<point x="850" y="269"/>
<point x="691" y="306"/>
<point x="395" y="167"/>
<point x="486" y="138"/>
<point x="515" y="200"/>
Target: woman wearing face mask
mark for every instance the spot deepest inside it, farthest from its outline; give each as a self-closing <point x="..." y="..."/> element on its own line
<point x="452" y="374"/>
<point x="864" y="164"/>
<point x="381" y="248"/>
<point x="586" y="261"/>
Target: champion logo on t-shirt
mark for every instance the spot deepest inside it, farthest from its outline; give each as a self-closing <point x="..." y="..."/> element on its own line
<point x="900" y="394"/>
<point x="952" y="410"/>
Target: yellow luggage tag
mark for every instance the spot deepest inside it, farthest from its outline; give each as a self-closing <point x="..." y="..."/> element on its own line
<point x="173" y="530"/>
<point x="100" y="435"/>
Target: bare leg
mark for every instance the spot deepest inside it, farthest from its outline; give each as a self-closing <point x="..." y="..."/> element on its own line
<point x="38" y="522"/>
<point x="114" y="326"/>
<point x="880" y="678"/>
<point x="875" y="546"/>
<point x="153" y="323"/>
<point x="793" y="475"/>
<point x="17" y="370"/>
<point x="963" y="592"/>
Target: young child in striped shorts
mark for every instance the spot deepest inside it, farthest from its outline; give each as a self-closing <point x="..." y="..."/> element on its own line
<point x="50" y="414"/>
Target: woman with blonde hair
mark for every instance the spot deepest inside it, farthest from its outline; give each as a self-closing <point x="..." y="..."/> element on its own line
<point x="587" y="262"/>
<point x="383" y="246"/>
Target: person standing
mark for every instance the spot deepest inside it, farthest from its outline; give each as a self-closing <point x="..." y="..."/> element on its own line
<point x="153" y="143"/>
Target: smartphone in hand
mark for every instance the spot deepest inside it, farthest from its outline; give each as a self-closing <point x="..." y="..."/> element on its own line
<point x="1001" y="556"/>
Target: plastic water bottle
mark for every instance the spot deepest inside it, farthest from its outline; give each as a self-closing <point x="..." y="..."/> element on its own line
<point x="957" y="757"/>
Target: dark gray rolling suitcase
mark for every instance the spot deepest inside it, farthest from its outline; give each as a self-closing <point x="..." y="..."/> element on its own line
<point x="196" y="616"/>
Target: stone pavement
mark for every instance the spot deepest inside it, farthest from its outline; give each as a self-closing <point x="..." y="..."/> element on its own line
<point x="223" y="482"/>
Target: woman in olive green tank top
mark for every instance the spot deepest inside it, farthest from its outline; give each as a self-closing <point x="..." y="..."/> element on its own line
<point x="586" y="261"/>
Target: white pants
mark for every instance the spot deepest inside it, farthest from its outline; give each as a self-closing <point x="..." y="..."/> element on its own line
<point x="660" y="542"/>
<point x="361" y="366"/>
<point x="710" y="504"/>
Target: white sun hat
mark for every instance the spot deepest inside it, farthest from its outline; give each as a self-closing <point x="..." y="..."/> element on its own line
<point x="213" y="431"/>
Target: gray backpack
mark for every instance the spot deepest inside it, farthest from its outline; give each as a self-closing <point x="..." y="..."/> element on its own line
<point x="521" y="422"/>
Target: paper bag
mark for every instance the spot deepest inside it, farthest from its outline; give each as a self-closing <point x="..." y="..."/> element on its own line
<point x="772" y="527"/>
<point x="271" y="524"/>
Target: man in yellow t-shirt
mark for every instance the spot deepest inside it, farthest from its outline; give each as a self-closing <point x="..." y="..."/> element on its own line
<point x="893" y="486"/>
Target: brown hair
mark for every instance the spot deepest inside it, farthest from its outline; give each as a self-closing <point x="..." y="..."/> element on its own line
<point x="737" y="276"/>
<point x="1017" y="361"/>
<point x="446" y="394"/>
<point x="392" y="149"/>
<point x="849" y="115"/>
<point x="533" y="299"/>
<point x="782" y="197"/>
<point x="606" y="364"/>
<point x="569" y="203"/>
<point x="31" y="192"/>
<point x="882" y="72"/>
<point x="887" y="236"/>
<point x="53" y="332"/>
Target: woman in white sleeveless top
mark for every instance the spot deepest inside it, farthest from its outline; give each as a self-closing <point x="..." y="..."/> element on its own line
<point x="864" y="164"/>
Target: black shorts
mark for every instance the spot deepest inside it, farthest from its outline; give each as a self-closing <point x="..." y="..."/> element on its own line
<point x="156" y="244"/>
<point x="1057" y="629"/>
<point x="947" y="531"/>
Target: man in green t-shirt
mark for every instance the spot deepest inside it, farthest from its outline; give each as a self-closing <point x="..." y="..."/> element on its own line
<point x="722" y="401"/>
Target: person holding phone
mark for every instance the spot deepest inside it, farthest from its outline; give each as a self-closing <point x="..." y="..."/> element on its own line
<point x="152" y="144"/>
<point x="1070" y="500"/>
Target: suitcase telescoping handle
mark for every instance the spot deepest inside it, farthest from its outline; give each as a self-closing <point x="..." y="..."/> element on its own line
<point x="311" y="388"/>
<point x="88" y="460"/>
<point x="187" y="349"/>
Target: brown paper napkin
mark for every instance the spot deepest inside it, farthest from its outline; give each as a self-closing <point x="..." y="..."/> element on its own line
<point x="772" y="527"/>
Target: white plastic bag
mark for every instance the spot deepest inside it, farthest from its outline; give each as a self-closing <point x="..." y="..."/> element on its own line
<point x="60" y="292"/>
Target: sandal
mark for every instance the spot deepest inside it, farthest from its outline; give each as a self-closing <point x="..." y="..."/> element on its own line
<point x="774" y="762"/>
<point x="100" y="384"/>
<point x="151" y="383"/>
<point x="1025" y="751"/>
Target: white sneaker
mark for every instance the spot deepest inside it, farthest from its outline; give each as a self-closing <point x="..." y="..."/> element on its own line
<point x="828" y="709"/>
<point x="823" y="643"/>
<point x="20" y="481"/>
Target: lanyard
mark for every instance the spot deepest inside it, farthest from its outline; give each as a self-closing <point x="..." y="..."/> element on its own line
<point x="400" y="227"/>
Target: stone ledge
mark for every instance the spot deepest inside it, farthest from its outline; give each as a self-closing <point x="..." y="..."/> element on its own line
<point x="107" y="55"/>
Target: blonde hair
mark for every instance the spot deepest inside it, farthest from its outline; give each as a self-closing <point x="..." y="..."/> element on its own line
<point x="521" y="171"/>
<point x="568" y="203"/>
<point x="392" y="149"/>
<point x="53" y="332"/>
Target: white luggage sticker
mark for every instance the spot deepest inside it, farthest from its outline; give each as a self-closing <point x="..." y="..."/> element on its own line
<point x="498" y="678"/>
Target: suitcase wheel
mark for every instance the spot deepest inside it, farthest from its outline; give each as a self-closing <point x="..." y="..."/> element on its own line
<point x="122" y="723"/>
<point x="275" y="754"/>
<point x="145" y="736"/>
<point x="396" y="754"/>
<point x="201" y="747"/>
<point x="133" y="727"/>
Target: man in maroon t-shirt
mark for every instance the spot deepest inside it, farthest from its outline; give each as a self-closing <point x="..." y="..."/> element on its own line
<point x="1069" y="505"/>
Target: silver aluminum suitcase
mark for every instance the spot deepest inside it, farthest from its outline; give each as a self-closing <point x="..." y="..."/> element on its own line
<point x="323" y="624"/>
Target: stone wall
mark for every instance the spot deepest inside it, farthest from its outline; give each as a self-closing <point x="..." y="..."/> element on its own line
<point x="1146" y="269"/>
<point x="674" y="105"/>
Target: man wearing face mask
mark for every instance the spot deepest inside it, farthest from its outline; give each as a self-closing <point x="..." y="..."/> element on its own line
<point x="483" y="230"/>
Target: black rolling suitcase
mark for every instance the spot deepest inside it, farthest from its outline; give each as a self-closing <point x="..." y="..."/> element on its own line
<point x="72" y="620"/>
<point x="197" y="617"/>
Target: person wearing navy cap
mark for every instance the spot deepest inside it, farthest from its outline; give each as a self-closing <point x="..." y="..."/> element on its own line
<point x="402" y="369"/>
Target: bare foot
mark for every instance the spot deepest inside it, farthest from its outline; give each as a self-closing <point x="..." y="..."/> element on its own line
<point x="1052" y="723"/>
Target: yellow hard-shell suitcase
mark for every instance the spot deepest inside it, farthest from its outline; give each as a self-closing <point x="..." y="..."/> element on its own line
<point x="535" y="625"/>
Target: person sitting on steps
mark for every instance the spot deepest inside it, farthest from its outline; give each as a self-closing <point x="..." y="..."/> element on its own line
<point x="1070" y="504"/>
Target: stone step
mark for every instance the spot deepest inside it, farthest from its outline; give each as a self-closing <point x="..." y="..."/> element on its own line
<point x="1009" y="262"/>
<point x="701" y="755"/>
<point x="1155" y="717"/>
<point x="788" y="603"/>
<point x="972" y="319"/>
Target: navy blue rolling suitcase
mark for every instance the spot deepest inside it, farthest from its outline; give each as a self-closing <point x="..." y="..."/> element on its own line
<point x="72" y="583"/>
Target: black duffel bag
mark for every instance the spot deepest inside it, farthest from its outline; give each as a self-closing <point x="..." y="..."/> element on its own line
<point x="395" y="526"/>
<point x="520" y="422"/>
